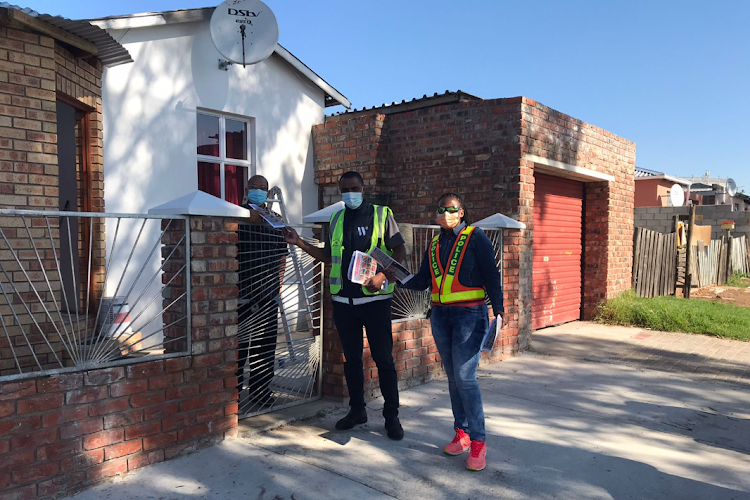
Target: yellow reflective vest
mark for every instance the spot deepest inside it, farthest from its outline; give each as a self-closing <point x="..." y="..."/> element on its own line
<point x="380" y="215"/>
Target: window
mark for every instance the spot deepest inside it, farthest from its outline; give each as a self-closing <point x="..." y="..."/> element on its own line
<point x="224" y="158"/>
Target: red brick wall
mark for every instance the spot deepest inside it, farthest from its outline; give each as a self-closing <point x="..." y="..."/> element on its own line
<point x="477" y="149"/>
<point x="33" y="70"/>
<point x="60" y="433"/>
<point x="609" y="219"/>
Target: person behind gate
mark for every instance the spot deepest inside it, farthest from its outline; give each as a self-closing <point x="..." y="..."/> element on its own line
<point x="361" y="226"/>
<point x="262" y="256"/>
<point x="459" y="267"/>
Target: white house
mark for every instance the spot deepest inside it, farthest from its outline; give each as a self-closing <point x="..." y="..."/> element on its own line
<point x="174" y="121"/>
<point x="178" y="119"/>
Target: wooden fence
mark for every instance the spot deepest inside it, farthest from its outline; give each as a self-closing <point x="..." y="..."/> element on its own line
<point x="740" y="255"/>
<point x="714" y="264"/>
<point x="659" y="265"/>
<point x="654" y="263"/>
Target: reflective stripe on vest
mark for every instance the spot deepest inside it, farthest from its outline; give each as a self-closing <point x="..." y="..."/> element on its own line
<point x="446" y="288"/>
<point x="380" y="215"/>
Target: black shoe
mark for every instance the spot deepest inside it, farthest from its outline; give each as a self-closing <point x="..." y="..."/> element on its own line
<point x="354" y="417"/>
<point x="394" y="429"/>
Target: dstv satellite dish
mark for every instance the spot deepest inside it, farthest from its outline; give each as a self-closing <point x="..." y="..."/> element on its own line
<point x="677" y="195"/>
<point x="731" y="187"/>
<point x="244" y="31"/>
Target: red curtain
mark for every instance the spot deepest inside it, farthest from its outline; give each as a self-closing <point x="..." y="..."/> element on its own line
<point x="235" y="181"/>
<point x="209" y="178"/>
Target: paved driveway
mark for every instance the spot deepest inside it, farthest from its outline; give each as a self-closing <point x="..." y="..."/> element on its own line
<point x="559" y="427"/>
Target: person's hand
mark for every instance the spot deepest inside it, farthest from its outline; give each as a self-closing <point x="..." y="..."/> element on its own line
<point x="375" y="283"/>
<point x="389" y="275"/>
<point x="291" y="236"/>
<point x="502" y="319"/>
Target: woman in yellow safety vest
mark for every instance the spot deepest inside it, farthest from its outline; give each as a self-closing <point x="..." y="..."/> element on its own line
<point x="460" y="268"/>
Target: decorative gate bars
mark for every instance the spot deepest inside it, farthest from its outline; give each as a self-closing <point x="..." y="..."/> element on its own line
<point x="72" y="299"/>
<point x="280" y="322"/>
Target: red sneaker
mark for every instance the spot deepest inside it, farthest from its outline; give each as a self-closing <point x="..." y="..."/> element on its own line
<point x="460" y="443"/>
<point x="477" y="460"/>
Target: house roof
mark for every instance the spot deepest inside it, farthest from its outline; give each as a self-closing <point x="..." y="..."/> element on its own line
<point x="109" y="52"/>
<point x="147" y="19"/>
<point x="643" y="173"/>
<point x="448" y="97"/>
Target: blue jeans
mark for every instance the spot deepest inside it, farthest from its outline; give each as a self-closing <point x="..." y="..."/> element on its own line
<point x="458" y="333"/>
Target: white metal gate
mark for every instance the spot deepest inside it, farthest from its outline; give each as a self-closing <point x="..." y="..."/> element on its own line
<point x="280" y="320"/>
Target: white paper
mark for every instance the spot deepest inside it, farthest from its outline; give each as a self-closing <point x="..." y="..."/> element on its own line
<point x="363" y="267"/>
<point x="490" y="335"/>
<point x="268" y="216"/>
<point x="402" y="274"/>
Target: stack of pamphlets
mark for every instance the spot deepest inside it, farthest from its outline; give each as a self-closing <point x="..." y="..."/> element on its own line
<point x="362" y="267"/>
<point x="491" y="334"/>
<point x="402" y="274"/>
<point x="268" y="216"/>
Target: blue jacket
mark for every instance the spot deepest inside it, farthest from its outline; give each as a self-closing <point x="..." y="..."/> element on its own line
<point x="477" y="269"/>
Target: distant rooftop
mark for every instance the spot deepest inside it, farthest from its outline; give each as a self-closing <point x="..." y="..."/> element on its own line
<point x="644" y="173"/>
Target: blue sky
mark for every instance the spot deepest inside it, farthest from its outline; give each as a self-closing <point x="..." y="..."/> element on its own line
<point x="673" y="76"/>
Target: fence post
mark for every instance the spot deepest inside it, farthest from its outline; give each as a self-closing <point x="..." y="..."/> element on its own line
<point x="689" y="255"/>
<point x="730" y="256"/>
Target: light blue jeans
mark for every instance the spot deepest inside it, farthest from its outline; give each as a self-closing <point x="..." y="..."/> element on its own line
<point x="458" y="333"/>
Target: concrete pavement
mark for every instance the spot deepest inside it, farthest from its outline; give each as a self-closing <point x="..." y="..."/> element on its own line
<point x="699" y="356"/>
<point x="558" y="427"/>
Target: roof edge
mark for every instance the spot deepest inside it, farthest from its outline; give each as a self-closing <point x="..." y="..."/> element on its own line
<point x="150" y="19"/>
<point x="666" y="177"/>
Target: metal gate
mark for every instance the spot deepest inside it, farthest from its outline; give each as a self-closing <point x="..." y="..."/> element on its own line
<point x="280" y="320"/>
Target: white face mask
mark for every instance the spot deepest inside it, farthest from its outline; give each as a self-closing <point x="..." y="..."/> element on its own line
<point x="352" y="200"/>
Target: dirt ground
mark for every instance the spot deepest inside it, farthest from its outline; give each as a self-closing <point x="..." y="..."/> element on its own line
<point x="726" y="294"/>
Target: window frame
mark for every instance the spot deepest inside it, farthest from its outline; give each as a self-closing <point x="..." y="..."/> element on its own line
<point x="222" y="159"/>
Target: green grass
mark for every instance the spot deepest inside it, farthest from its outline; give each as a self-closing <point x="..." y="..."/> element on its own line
<point x="671" y="314"/>
<point x="741" y="280"/>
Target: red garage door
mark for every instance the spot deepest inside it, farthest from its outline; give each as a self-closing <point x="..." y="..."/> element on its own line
<point x="557" y="248"/>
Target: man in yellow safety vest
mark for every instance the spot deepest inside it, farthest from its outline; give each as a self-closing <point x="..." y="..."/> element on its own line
<point x="361" y="226"/>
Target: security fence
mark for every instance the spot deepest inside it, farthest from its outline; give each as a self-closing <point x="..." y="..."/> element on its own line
<point x="73" y="299"/>
<point x="280" y="322"/>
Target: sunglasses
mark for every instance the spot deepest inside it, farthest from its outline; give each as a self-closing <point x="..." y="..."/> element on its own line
<point x="450" y="210"/>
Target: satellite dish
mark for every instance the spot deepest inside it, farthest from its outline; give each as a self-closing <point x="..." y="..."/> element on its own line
<point x="677" y="195"/>
<point x="731" y="187"/>
<point x="244" y="31"/>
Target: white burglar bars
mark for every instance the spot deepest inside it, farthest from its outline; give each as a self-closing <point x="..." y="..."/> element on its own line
<point x="81" y="290"/>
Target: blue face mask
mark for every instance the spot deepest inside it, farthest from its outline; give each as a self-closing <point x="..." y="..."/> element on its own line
<point x="352" y="200"/>
<point x="257" y="196"/>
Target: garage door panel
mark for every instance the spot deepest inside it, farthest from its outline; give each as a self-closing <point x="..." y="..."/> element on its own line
<point x="558" y="250"/>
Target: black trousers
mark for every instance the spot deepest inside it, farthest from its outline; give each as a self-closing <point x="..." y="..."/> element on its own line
<point x="257" y="345"/>
<point x="375" y="317"/>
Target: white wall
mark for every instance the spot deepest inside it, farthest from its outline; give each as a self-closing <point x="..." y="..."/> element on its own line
<point x="150" y="123"/>
<point x="150" y="130"/>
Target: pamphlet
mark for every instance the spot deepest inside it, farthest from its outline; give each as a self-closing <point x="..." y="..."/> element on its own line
<point x="402" y="274"/>
<point x="491" y="334"/>
<point x="268" y="216"/>
<point x="362" y="267"/>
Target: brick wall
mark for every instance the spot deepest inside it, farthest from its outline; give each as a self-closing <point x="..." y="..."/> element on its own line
<point x="608" y="230"/>
<point x="35" y="71"/>
<point x="661" y="219"/>
<point x="477" y="148"/>
<point x="63" y="432"/>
